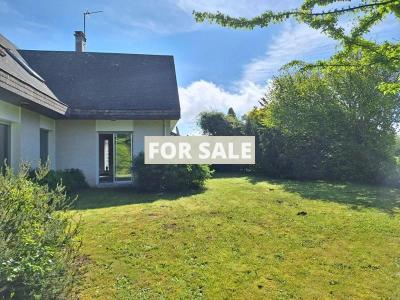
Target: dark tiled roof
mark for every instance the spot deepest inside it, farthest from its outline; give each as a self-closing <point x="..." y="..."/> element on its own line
<point x="110" y="85"/>
<point x="19" y="79"/>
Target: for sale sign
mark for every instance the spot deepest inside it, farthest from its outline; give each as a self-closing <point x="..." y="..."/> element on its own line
<point x="199" y="150"/>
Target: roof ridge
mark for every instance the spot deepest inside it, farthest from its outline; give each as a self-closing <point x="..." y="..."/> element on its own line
<point x="94" y="52"/>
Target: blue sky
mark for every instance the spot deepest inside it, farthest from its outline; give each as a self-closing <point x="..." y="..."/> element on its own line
<point x="216" y="67"/>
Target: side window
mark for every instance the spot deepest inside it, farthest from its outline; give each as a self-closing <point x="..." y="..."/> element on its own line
<point x="44" y="145"/>
<point x="4" y="144"/>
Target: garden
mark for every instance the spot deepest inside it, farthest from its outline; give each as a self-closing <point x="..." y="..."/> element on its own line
<point x="316" y="217"/>
<point x="243" y="237"/>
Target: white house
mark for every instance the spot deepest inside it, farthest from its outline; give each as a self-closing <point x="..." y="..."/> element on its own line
<point x="83" y="110"/>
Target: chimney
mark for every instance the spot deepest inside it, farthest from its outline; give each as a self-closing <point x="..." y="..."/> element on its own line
<point x="80" y="41"/>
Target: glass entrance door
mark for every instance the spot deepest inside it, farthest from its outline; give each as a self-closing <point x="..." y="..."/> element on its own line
<point x="123" y="156"/>
<point x="115" y="157"/>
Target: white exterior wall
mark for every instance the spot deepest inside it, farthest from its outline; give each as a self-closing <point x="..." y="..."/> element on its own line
<point x="112" y="126"/>
<point x="145" y="128"/>
<point x="25" y="134"/>
<point x="72" y="143"/>
<point x="50" y="125"/>
<point x="76" y="144"/>
<point x="77" y="141"/>
<point x="30" y="137"/>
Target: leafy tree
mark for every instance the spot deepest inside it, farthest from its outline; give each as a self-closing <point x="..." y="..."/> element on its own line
<point x="231" y="113"/>
<point x="364" y="15"/>
<point x="270" y="143"/>
<point x="219" y="124"/>
<point x="330" y="124"/>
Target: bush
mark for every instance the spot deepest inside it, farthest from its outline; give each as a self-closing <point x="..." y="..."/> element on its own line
<point x="155" y="178"/>
<point x="38" y="249"/>
<point x="216" y="123"/>
<point x="72" y="179"/>
<point x="327" y="125"/>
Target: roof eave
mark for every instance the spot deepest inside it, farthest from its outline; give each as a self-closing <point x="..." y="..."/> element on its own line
<point x="21" y="89"/>
<point x="114" y="114"/>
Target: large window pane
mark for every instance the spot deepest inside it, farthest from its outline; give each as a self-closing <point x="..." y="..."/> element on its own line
<point x="123" y="157"/>
<point x="44" y="145"/>
<point x="4" y="144"/>
<point x="106" y="157"/>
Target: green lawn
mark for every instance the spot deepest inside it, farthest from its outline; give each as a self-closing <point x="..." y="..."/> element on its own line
<point x="242" y="238"/>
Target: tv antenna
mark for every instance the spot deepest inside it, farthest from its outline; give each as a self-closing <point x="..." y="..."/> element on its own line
<point x="86" y="13"/>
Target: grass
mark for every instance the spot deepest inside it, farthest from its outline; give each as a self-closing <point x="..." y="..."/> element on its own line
<point x="243" y="238"/>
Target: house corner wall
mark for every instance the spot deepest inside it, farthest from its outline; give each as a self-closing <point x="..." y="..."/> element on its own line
<point x="144" y="128"/>
<point x="76" y="144"/>
<point x="25" y="128"/>
<point x="77" y="141"/>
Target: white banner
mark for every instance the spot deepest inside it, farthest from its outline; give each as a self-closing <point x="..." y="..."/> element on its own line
<point x="231" y="150"/>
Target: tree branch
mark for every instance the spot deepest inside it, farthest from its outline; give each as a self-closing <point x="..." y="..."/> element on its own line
<point x="307" y="66"/>
<point x="270" y="16"/>
<point x="342" y="10"/>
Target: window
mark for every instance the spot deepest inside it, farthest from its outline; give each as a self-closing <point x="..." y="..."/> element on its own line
<point x="106" y="156"/>
<point x="23" y="64"/>
<point x="44" y="146"/>
<point x="4" y="144"/>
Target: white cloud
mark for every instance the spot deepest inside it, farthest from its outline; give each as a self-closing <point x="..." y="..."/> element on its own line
<point x="205" y="96"/>
<point x="294" y="42"/>
<point x="297" y="41"/>
<point x="300" y="42"/>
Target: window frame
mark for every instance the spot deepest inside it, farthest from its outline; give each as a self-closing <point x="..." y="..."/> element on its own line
<point x="47" y="132"/>
<point x="8" y="146"/>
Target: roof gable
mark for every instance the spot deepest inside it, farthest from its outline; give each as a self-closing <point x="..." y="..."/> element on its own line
<point x="110" y="85"/>
<point x="21" y="83"/>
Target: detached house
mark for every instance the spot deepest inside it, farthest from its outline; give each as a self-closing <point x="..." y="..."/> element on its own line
<point x="83" y="110"/>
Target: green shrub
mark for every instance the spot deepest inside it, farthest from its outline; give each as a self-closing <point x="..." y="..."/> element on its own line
<point x="155" y="178"/>
<point x="72" y="179"/>
<point x="38" y="246"/>
<point x="329" y="125"/>
<point x="216" y="123"/>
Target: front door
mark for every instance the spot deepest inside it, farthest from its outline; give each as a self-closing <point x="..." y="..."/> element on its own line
<point x="115" y="157"/>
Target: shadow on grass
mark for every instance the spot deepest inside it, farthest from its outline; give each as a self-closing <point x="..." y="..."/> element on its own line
<point x="355" y="195"/>
<point x="110" y="197"/>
